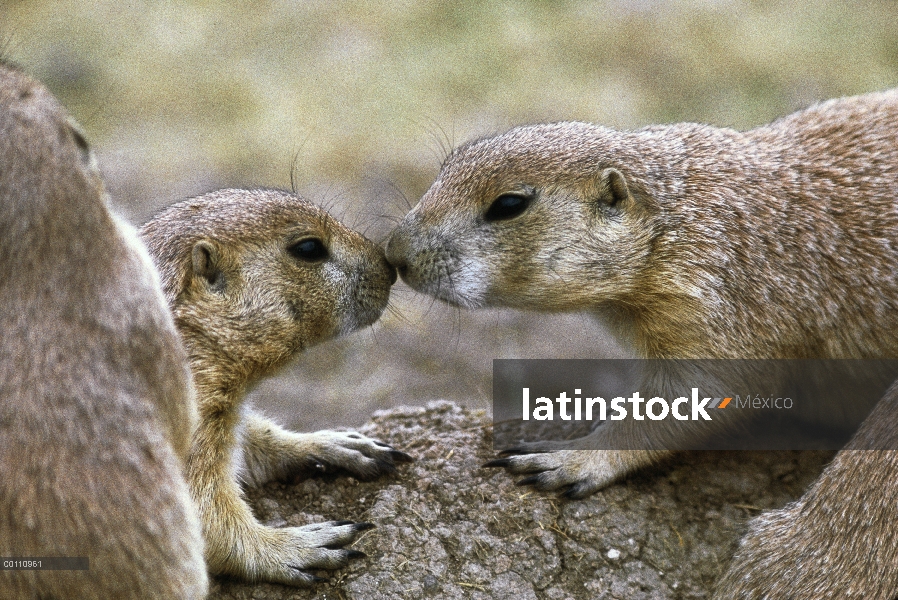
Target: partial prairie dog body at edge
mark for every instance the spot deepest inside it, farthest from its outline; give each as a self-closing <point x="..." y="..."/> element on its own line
<point x="96" y="404"/>
<point x="697" y="242"/>
<point x="254" y="277"/>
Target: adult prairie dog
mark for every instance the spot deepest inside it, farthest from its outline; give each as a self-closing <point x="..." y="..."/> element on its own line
<point x="96" y="407"/>
<point x="694" y="242"/>
<point x="254" y="277"/>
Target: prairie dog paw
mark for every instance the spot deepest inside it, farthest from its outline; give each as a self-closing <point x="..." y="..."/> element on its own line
<point x="272" y="452"/>
<point x="287" y="555"/>
<point x="358" y="454"/>
<point x="578" y="472"/>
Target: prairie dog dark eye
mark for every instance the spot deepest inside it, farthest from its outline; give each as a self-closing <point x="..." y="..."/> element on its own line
<point x="310" y="250"/>
<point x="507" y="206"/>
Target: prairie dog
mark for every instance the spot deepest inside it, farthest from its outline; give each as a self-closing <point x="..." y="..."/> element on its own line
<point x="96" y="405"/>
<point x="254" y="277"/>
<point x="694" y="242"/>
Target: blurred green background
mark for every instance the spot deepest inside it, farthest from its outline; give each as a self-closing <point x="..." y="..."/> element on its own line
<point x="362" y="100"/>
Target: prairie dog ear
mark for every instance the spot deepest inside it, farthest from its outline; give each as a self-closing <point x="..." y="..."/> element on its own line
<point x="613" y="189"/>
<point x="205" y="259"/>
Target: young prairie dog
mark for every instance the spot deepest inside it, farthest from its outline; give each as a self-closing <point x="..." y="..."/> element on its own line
<point x="696" y="242"/>
<point x="253" y="277"/>
<point x="96" y="407"/>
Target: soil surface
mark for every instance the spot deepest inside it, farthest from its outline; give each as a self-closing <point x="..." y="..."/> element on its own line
<point x="448" y="528"/>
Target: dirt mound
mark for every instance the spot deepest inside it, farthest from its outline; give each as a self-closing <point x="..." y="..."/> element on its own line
<point x="447" y="528"/>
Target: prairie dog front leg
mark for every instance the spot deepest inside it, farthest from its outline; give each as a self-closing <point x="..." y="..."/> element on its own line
<point x="272" y="452"/>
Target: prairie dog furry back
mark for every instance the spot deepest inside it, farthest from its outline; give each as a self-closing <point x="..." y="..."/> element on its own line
<point x="96" y="404"/>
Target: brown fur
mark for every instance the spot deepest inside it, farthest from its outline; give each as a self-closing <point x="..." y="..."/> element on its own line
<point x="696" y="242"/>
<point x="95" y="399"/>
<point x="245" y="306"/>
